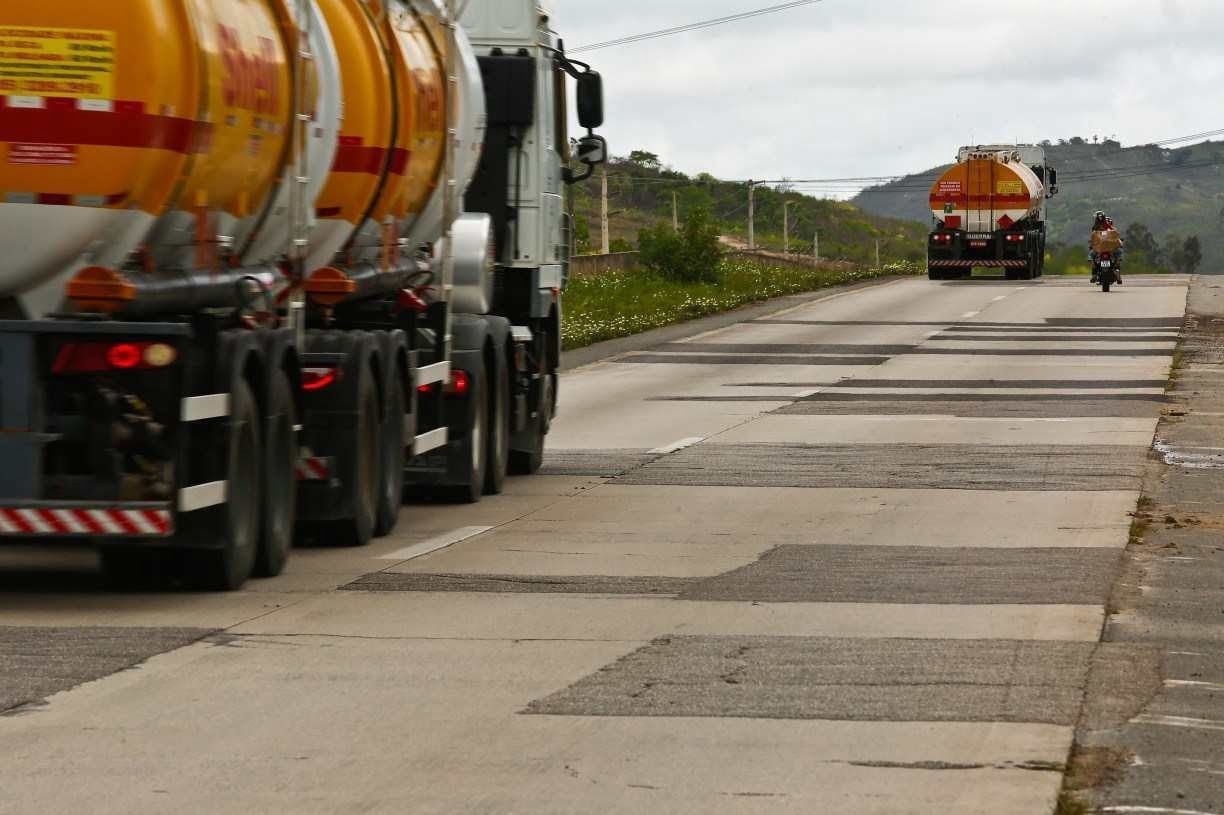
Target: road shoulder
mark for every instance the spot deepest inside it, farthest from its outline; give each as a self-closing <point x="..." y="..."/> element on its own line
<point x="1151" y="738"/>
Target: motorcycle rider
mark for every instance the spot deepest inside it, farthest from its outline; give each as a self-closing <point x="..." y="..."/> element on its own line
<point x="1103" y="223"/>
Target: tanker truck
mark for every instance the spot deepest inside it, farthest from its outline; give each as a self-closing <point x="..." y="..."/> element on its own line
<point x="271" y="266"/>
<point x="990" y="212"/>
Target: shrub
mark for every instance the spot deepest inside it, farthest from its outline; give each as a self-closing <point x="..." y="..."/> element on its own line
<point x="689" y="256"/>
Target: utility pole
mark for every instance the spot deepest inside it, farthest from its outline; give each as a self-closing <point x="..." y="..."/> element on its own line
<point x="786" y="227"/>
<point x="816" y="248"/>
<point x="877" y="253"/>
<point x="605" y="239"/>
<point x="676" y="212"/>
<point x="751" y="216"/>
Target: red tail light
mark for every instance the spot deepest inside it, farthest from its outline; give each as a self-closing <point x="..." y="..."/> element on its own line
<point x="316" y="379"/>
<point x="100" y="357"/>
<point x="1106" y="256"/>
<point x="1015" y="238"/>
<point x="458" y="385"/>
<point x="124" y="356"/>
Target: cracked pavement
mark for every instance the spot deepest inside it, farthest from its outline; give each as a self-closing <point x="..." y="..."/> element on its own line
<point x="851" y="553"/>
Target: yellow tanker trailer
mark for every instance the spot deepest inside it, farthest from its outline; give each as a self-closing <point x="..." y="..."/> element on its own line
<point x="990" y="212"/>
<point x="251" y="290"/>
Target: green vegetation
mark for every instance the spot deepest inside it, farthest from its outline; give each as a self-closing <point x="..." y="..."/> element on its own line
<point x="640" y="191"/>
<point x="691" y="255"/>
<point x="618" y="304"/>
<point x="1170" y="194"/>
<point x="1144" y="255"/>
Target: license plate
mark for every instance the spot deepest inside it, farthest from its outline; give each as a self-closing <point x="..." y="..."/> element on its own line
<point x="1105" y="264"/>
<point x="977" y="236"/>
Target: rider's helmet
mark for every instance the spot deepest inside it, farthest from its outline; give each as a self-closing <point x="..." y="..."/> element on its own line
<point x="1100" y="219"/>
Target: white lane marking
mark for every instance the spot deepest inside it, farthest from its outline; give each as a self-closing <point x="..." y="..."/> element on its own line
<point x="1000" y="297"/>
<point x="806" y="394"/>
<point x="1156" y="810"/>
<point x="1188" y="653"/>
<point x="676" y="447"/>
<point x="1189" y="683"/>
<point x="969" y="314"/>
<point x="1189" y="460"/>
<point x="1179" y="721"/>
<point x="434" y="544"/>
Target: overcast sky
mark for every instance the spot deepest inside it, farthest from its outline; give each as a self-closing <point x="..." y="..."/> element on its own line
<point x="882" y="87"/>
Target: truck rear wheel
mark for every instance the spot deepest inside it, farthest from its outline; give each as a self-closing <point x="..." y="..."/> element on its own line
<point x="279" y="482"/>
<point x="228" y="564"/>
<point x="497" y="455"/>
<point x="391" y="486"/>
<point x="525" y="461"/>
<point x="367" y="458"/>
<point x="472" y="487"/>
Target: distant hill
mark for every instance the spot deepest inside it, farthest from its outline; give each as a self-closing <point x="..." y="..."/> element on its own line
<point x="1172" y="192"/>
<point x="640" y="196"/>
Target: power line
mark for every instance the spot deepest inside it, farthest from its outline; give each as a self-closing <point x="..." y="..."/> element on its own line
<point x="681" y="29"/>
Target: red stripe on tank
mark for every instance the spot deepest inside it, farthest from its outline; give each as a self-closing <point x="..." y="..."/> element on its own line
<point x="354" y="158"/>
<point x="127" y="125"/>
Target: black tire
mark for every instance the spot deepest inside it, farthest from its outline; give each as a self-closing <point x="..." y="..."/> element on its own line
<point x="472" y="487"/>
<point x="391" y="470"/>
<point x="934" y="275"/>
<point x="367" y="460"/>
<point x="279" y="480"/>
<point x="497" y="454"/>
<point x="529" y="460"/>
<point x="1105" y="284"/>
<point x="226" y="566"/>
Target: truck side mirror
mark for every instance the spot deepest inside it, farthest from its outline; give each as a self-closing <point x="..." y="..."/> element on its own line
<point x="590" y="100"/>
<point x="592" y="151"/>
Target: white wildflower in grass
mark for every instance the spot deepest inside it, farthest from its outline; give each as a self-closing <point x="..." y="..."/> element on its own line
<point x="620" y="303"/>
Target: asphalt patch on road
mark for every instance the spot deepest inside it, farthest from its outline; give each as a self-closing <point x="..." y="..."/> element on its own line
<point x="917" y="575"/>
<point x="836" y="679"/>
<point x="830" y="349"/>
<point x="744" y="359"/>
<point x="898" y="466"/>
<point x="36" y="662"/>
<point x="977" y="406"/>
<point x="995" y="384"/>
<point x="520" y="584"/>
<point x="1042" y="337"/>
<point x="604" y="463"/>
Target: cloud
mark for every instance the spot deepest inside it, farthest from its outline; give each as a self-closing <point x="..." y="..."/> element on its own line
<point x="851" y="87"/>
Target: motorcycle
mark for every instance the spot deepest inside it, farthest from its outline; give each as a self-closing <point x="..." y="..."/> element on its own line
<point x="1105" y="270"/>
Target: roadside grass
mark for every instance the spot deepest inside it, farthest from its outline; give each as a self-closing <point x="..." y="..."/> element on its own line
<point x="622" y="303"/>
<point x="1089" y="768"/>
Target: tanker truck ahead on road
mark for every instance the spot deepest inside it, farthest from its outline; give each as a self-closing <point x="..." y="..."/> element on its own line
<point x="267" y="266"/>
<point x="990" y="212"/>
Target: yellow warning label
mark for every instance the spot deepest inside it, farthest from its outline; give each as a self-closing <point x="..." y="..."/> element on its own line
<point x="69" y="62"/>
<point x="1010" y="188"/>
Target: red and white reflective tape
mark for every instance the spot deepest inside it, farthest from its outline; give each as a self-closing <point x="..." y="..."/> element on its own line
<point x="91" y="522"/>
<point x="313" y="468"/>
<point x="985" y="264"/>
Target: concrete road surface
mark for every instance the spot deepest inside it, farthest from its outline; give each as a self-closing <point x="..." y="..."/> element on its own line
<point x="847" y="558"/>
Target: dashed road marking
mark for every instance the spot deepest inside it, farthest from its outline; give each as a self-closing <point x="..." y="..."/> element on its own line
<point x="675" y="447"/>
<point x="969" y="314"/>
<point x="434" y="544"/>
